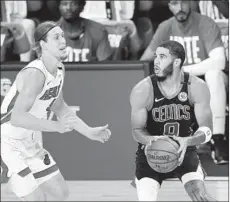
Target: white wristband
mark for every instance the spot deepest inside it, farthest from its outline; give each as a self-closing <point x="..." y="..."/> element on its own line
<point x="207" y="132"/>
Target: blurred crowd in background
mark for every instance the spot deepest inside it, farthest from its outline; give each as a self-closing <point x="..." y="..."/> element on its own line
<point x="130" y="30"/>
<point x="114" y="30"/>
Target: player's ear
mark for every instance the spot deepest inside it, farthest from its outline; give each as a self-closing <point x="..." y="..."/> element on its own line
<point x="42" y="44"/>
<point x="177" y="62"/>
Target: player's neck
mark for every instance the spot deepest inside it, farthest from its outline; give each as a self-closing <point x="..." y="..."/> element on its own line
<point x="73" y="29"/>
<point x="51" y="64"/>
<point x="172" y="81"/>
<point x="76" y="23"/>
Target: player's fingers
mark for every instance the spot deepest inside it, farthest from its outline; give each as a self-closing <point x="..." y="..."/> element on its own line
<point x="66" y="115"/>
<point x="175" y="138"/>
<point x="154" y="138"/>
<point x="68" y="128"/>
<point x="72" y="118"/>
<point x="146" y="148"/>
<point x="160" y="137"/>
<point x="107" y="138"/>
<point x="102" y="140"/>
<point x="104" y="127"/>
<point x="180" y="148"/>
<point x="182" y="156"/>
<point x="108" y="133"/>
<point x="71" y="121"/>
<point x="179" y="161"/>
<point x="104" y="136"/>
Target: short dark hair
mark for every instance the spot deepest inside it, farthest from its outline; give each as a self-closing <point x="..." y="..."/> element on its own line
<point x="176" y="49"/>
<point x="41" y="34"/>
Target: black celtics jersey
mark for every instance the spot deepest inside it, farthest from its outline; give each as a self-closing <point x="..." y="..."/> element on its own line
<point x="171" y="116"/>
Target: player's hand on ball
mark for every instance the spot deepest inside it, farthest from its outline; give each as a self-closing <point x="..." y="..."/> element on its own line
<point x="183" y="147"/>
<point x="101" y="134"/>
<point x="154" y="138"/>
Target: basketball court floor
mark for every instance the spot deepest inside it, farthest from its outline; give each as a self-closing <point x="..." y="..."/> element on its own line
<point x="172" y="190"/>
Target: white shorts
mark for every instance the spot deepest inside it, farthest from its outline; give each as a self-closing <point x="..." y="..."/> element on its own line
<point x="28" y="164"/>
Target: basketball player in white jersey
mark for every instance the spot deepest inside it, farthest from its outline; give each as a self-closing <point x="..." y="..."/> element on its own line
<point x="26" y="166"/>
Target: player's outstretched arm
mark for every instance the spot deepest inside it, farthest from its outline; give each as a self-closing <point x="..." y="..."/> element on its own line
<point x="140" y="98"/>
<point x="29" y="84"/>
<point x="61" y="109"/>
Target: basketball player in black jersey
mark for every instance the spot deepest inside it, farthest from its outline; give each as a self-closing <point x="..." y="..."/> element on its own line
<point x="168" y="104"/>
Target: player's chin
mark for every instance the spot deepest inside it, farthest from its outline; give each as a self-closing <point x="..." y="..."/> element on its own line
<point x="159" y="74"/>
<point x="63" y="56"/>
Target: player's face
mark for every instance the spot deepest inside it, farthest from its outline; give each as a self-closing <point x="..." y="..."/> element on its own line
<point x="70" y="9"/>
<point x="56" y="43"/>
<point x="180" y="9"/>
<point x="163" y="63"/>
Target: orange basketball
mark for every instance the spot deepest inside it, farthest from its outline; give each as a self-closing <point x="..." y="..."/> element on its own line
<point x="162" y="155"/>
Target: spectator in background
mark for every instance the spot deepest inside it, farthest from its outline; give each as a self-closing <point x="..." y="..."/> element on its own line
<point x="158" y="11"/>
<point x="86" y="40"/>
<point x="13" y="42"/>
<point x="205" y="57"/>
<point x="143" y="23"/>
<point x="218" y="11"/>
<point x="13" y="38"/>
<point x="43" y="10"/>
<point x="108" y="10"/>
<point x="33" y="9"/>
<point x="116" y="18"/>
<point x="16" y="12"/>
<point x="124" y="39"/>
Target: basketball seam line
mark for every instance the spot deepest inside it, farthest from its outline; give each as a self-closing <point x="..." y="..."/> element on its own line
<point x="171" y="143"/>
<point x="162" y="150"/>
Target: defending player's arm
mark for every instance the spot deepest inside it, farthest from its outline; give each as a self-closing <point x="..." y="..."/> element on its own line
<point x="140" y="99"/>
<point x="61" y="109"/>
<point x="29" y="84"/>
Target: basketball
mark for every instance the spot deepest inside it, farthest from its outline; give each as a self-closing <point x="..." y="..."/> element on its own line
<point x="162" y="155"/>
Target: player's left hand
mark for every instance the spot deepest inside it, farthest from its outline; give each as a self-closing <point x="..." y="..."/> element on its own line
<point x="183" y="147"/>
<point x="101" y="134"/>
<point x="154" y="138"/>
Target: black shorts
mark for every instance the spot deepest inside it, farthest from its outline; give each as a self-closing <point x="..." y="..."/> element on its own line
<point x="190" y="164"/>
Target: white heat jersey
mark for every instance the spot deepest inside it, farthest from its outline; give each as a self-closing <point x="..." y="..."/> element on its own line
<point x="41" y="106"/>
